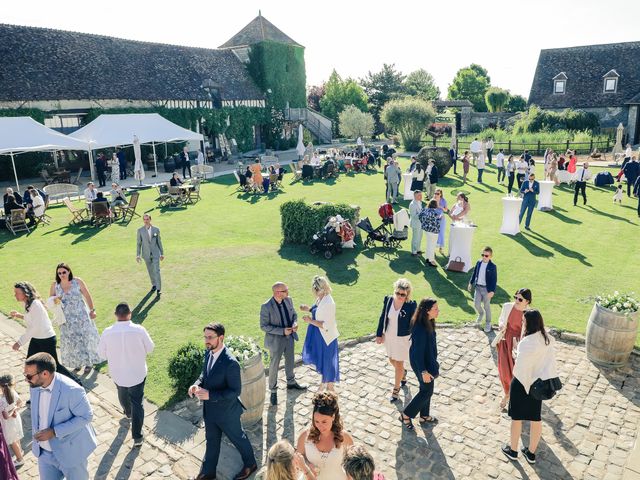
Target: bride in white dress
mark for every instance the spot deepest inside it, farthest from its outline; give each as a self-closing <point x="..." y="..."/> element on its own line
<point x="323" y="443"/>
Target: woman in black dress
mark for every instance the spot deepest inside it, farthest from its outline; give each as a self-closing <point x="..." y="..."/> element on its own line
<point x="535" y="360"/>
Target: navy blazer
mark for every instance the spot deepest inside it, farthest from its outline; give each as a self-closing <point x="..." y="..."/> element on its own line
<point x="631" y="170"/>
<point x="433" y="175"/>
<point x="525" y="187"/>
<point x="491" y="275"/>
<point x="423" y="353"/>
<point x="223" y="383"/>
<point x="404" y="317"/>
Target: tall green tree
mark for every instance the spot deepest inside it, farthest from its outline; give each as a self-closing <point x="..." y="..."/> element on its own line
<point x="410" y="117"/>
<point x="496" y="99"/>
<point x="338" y="95"/>
<point x="420" y="83"/>
<point x="355" y="123"/>
<point x="381" y="87"/>
<point x="480" y="70"/>
<point x="516" y="103"/>
<point x="471" y="83"/>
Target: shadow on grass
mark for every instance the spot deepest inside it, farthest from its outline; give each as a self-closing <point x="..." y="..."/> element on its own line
<point x="608" y="215"/>
<point x="341" y="269"/>
<point x="449" y="286"/>
<point x="561" y="249"/>
<point x="529" y="246"/>
<point x="140" y="311"/>
<point x="83" y="231"/>
<point x="563" y="218"/>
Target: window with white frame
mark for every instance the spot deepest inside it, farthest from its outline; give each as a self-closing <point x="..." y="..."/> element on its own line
<point x="559" y="86"/>
<point x="610" y="82"/>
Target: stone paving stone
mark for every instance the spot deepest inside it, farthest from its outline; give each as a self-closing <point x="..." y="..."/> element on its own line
<point x="589" y="428"/>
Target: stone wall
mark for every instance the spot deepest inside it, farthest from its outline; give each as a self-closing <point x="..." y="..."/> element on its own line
<point x="481" y="120"/>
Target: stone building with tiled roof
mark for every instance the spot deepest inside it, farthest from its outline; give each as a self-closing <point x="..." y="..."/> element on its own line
<point x="602" y="79"/>
<point x="65" y="74"/>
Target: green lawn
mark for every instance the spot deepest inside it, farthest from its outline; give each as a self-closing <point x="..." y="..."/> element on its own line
<point x="223" y="254"/>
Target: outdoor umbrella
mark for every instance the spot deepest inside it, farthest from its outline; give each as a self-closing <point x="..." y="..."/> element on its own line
<point x="300" y="148"/>
<point x="138" y="169"/>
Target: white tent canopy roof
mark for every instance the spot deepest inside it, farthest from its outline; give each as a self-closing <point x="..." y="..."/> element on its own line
<point x="24" y="134"/>
<point x="111" y="130"/>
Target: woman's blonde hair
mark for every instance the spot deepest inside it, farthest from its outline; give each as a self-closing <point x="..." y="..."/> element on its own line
<point x="280" y="462"/>
<point x="403" y="284"/>
<point x="321" y="285"/>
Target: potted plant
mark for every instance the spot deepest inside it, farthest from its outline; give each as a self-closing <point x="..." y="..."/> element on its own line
<point x="612" y="328"/>
<point x="249" y="356"/>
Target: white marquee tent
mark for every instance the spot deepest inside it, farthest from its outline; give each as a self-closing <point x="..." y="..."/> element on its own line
<point x="112" y="130"/>
<point x="24" y="134"/>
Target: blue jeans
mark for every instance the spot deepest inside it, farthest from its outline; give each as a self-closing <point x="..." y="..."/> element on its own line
<point x="131" y="401"/>
<point x="50" y="469"/>
<point x="480" y="172"/>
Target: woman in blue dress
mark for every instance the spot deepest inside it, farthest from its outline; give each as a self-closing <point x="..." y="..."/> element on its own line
<point x="442" y="207"/>
<point x="321" y="343"/>
<point x="78" y="335"/>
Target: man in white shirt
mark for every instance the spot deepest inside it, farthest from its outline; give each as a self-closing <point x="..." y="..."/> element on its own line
<point x="583" y="175"/>
<point x="475" y="149"/>
<point x="200" y="158"/>
<point x="90" y="194"/>
<point x="522" y="167"/>
<point x="125" y="346"/>
<point x="500" y="165"/>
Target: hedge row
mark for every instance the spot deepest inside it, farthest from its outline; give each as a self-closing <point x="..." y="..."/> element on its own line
<point x="301" y="220"/>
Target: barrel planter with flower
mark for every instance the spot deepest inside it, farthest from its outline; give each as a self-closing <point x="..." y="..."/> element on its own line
<point x="612" y="329"/>
<point x="249" y="356"/>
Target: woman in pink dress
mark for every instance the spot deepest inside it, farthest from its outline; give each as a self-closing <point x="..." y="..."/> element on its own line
<point x="510" y="326"/>
<point x="572" y="162"/>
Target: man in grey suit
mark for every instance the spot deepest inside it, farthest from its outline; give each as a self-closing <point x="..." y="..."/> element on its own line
<point x="149" y="248"/>
<point x="394" y="174"/>
<point x="279" y="321"/>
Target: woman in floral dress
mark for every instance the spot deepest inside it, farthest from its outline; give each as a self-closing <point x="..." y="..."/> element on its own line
<point x="78" y="335"/>
<point x="115" y="168"/>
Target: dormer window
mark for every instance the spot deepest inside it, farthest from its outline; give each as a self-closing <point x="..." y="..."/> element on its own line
<point x="560" y="84"/>
<point x="610" y="82"/>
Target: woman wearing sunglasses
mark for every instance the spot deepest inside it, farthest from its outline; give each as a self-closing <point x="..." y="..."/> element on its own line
<point x="510" y="326"/>
<point x="394" y="330"/>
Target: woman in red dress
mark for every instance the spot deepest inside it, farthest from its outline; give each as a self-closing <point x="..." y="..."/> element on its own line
<point x="510" y="326"/>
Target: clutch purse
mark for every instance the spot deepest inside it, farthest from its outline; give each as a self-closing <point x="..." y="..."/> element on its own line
<point x="54" y="305"/>
<point x="545" y="389"/>
<point x="499" y="337"/>
<point x="456" y="265"/>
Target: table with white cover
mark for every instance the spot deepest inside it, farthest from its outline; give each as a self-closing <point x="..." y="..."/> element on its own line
<point x="460" y="241"/>
<point x="407" y="179"/>
<point x="510" y="215"/>
<point x="545" y="199"/>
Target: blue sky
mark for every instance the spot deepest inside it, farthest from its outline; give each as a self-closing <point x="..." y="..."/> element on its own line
<point x="355" y="37"/>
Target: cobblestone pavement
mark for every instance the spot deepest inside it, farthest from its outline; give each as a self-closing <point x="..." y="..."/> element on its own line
<point x="589" y="429"/>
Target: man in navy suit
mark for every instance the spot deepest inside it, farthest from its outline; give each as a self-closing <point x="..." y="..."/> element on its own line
<point x="61" y="415"/>
<point x="218" y="387"/>
<point x="529" y="189"/>
<point x="484" y="278"/>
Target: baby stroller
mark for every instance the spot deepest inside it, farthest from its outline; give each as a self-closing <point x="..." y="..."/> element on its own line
<point x="327" y="241"/>
<point x="385" y="233"/>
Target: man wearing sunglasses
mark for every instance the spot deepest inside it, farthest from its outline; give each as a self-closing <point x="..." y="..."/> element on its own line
<point x="529" y="189"/>
<point x="485" y="279"/>
<point x="61" y="418"/>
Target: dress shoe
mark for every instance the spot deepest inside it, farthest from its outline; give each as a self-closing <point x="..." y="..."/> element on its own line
<point x="245" y="473"/>
<point x="153" y="289"/>
<point x="274" y="398"/>
<point x="297" y="386"/>
<point x="158" y="295"/>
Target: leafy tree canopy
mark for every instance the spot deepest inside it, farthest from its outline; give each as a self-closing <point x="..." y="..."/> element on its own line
<point x="420" y="83"/>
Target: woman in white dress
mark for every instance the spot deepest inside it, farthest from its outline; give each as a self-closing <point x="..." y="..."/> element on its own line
<point x="324" y="442"/>
<point x="10" y="419"/>
<point x="395" y="332"/>
<point x="115" y="167"/>
<point x="284" y="463"/>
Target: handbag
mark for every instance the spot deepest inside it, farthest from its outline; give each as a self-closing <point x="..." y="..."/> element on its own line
<point x="456" y="265"/>
<point x="499" y="337"/>
<point x="545" y="389"/>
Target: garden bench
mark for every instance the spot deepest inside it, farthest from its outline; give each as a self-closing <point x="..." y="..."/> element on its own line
<point x="201" y="171"/>
<point x="57" y="191"/>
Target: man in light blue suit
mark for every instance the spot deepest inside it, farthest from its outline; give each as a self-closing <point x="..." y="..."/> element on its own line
<point x="529" y="189"/>
<point x="61" y="415"/>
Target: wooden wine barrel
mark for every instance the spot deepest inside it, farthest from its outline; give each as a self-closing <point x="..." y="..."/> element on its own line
<point x="610" y="336"/>
<point x="253" y="390"/>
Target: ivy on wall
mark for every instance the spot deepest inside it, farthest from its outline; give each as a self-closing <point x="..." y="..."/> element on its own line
<point x="37" y="115"/>
<point x="279" y="67"/>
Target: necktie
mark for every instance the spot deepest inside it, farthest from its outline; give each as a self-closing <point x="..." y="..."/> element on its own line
<point x="210" y="364"/>
<point x="582" y="176"/>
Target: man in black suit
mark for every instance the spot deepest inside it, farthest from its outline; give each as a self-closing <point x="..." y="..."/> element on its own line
<point x="185" y="162"/>
<point x="631" y="172"/>
<point x="219" y="387"/>
<point x="101" y="167"/>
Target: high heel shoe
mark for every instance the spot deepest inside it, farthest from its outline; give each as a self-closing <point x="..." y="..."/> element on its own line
<point x="394" y="395"/>
<point x="403" y="382"/>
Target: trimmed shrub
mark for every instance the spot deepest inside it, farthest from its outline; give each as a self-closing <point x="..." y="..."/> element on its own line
<point x="439" y="154"/>
<point x="409" y="117"/>
<point x="185" y="367"/>
<point x="301" y="220"/>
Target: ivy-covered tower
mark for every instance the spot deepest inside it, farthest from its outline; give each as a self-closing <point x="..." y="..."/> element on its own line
<point x="274" y="60"/>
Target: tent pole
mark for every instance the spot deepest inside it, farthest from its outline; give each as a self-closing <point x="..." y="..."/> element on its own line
<point x="91" y="167"/>
<point x="155" y="162"/>
<point x="14" y="173"/>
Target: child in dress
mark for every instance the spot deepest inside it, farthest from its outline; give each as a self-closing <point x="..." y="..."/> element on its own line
<point x="618" y="195"/>
<point x="9" y="416"/>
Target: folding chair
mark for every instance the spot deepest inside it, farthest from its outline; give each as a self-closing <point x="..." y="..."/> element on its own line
<point x="194" y="193"/>
<point x="175" y="197"/>
<point x="242" y="181"/>
<point x="101" y="214"/>
<point x="163" y="195"/>
<point x="297" y="174"/>
<point x="273" y="181"/>
<point x="17" y="221"/>
<point x="77" y="180"/>
<point x="45" y="176"/>
<point x="79" y="214"/>
<point x="128" y="211"/>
